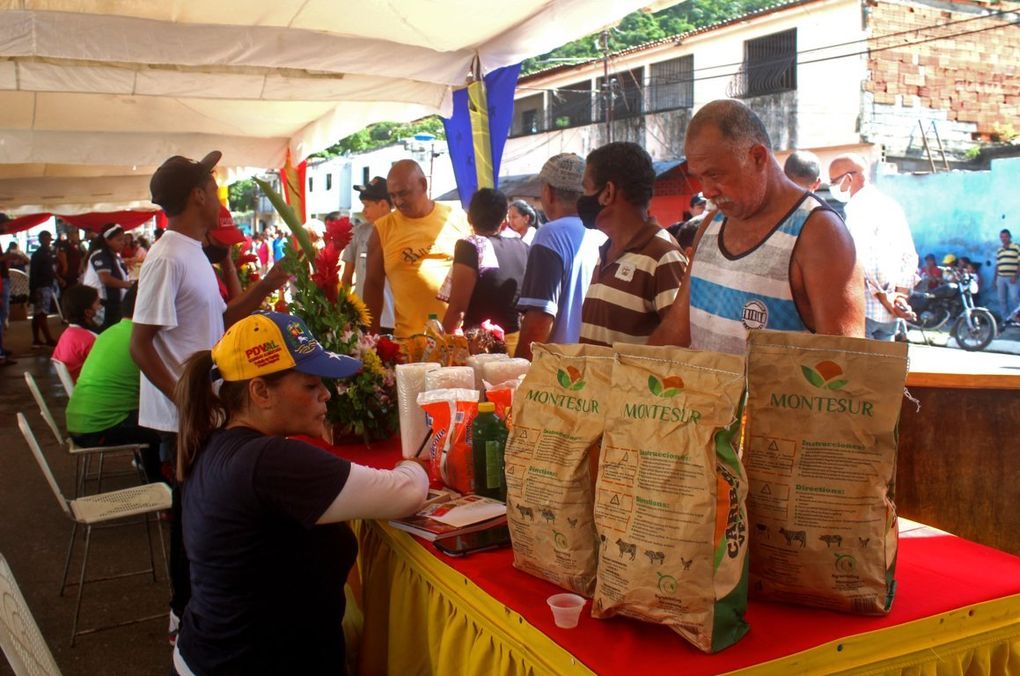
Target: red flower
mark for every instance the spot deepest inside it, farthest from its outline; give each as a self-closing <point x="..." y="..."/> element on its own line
<point x="495" y="329"/>
<point x="339" y="232"/>
<point x="281" y="306"/>
<point x="389" y="352"/>
<point x="326" y="275"/>
<point x="244" y="259"/>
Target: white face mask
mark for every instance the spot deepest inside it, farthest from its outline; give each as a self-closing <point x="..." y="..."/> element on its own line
<point x="99" y="316"/>
<point x="838" y="193"/>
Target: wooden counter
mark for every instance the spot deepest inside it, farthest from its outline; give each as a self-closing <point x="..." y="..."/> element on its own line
<point x="959" y="456"/>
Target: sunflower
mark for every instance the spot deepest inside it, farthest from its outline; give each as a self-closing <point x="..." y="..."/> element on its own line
<point x="360" y="309"/>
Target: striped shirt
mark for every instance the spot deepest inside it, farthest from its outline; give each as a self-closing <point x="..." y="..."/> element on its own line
<point x="731" y="294"/>
<point x="1007" y="260"/>
<point x="629" y="296"/>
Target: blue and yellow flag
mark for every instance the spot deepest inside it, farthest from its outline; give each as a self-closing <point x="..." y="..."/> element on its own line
<point x="478" y="128"/>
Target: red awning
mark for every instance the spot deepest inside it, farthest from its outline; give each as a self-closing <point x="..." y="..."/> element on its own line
<point x="94" y="220"/>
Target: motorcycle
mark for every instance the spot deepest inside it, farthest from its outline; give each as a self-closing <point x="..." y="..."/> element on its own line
<point x="952" y="303"/>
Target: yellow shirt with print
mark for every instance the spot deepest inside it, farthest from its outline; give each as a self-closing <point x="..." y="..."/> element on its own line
<point x="417" y="255"/>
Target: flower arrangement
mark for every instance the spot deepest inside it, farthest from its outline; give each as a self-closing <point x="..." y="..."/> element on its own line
<point x="365" y="405"/>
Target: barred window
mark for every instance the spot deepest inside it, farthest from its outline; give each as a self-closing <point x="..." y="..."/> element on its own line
<point x="671" y="84"/>
<point x="770" y="65"/>
<point x="570" y="106"/>
<point x="627" y="94"/>
<point x="528" y="116"/>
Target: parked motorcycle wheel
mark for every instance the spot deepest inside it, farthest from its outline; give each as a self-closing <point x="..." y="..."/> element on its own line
<point x="980" y="336"/>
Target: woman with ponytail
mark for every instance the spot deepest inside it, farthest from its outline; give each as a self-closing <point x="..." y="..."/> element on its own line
<point x="263" y="515"/>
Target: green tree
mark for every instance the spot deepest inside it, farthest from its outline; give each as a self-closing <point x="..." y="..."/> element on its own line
<point x="641" y="27"/>
<point x="241" y="195"/>
<point x="382" y="134"/>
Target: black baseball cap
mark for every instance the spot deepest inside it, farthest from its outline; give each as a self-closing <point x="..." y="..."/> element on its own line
<point x="177" y="177"/>
<point x="374" y="191"/>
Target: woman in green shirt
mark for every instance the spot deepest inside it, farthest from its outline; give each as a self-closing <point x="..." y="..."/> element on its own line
<point x="103" y="410"/>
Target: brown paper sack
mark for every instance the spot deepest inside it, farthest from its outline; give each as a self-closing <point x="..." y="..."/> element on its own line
<point x="551" y="460"/>
<point x="822" y="421"/>
<point x="670" y="498"/>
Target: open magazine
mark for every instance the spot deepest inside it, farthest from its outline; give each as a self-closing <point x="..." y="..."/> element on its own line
<point x="457" y="516"/>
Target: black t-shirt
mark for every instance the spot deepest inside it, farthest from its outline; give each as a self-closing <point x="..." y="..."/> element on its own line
<point x="42" y="270"/>
<point x="267" y="583"/>
<point x="499" y="286"/>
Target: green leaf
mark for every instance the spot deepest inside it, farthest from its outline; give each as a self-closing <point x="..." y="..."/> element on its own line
<point x="579" y="385"/>
<point x="563" y="378"/>
<point x="671" y="392"/>
<point x="289" y="217"/>
<point x="836" y="384"/>
<point x="812" y="376"/>
<point x="654" y="386"/>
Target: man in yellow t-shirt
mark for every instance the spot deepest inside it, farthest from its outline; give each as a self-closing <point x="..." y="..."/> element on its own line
<point x="412" y="248"/>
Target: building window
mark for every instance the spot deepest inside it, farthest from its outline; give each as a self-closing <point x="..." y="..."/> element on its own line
<point x="626" y="90"/>
<point x="309" y="184"/>
<point x="770" y="65"/>
<point x="528" y="117"/>
<point x="671" y="84"/>
<point x="570" y="106"/>
<point x="364" y="176"/>
<point x="329" y="181"/>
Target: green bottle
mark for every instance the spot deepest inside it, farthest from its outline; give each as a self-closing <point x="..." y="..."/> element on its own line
<point x="488" y="439"/>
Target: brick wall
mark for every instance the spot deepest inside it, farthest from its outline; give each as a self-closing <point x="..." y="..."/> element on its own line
<point x="969" y="84"/>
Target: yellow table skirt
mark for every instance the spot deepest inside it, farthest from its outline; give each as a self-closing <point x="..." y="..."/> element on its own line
<point x="423" y="617"/>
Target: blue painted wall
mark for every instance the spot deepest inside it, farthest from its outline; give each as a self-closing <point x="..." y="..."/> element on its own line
<point x="961" y="212"/>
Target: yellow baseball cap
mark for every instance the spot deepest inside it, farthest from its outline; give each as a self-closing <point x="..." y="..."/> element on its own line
<point x="949" y="259"/>
<point x="269" y="342"/>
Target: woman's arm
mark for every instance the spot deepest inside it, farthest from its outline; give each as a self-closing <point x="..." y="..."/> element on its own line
<point x="462" y="285"/>
<point x="379" y="494"/>
<point x="109" y="280"/>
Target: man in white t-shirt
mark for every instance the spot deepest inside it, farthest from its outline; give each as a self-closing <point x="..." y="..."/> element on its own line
<point x="179" y="311"/>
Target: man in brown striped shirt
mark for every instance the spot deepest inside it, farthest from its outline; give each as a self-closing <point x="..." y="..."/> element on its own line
<point x="641" y="267"/>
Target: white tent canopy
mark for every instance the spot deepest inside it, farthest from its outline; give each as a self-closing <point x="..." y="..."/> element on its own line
<point x="96" y="93"/>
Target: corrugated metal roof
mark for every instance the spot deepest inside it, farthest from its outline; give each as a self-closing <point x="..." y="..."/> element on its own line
<point x="672" y="39"/>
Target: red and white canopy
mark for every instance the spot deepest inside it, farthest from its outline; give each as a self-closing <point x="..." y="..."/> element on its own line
<point x="94" y="95"/>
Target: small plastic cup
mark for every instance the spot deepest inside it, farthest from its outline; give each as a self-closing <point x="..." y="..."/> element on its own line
<point x="566" y="609"/>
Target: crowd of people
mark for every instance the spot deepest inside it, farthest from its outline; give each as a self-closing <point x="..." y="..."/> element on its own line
<point x="181" y="361"/>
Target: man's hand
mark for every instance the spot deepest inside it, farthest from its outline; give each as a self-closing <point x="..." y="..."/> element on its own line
<point x="277" y="275"/>
<point x="902" y="309"/>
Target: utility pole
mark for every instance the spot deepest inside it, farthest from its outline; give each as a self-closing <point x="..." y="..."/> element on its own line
<point x="607" y="92"/>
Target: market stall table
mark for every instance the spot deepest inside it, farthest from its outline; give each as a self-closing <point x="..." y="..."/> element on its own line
<point x="957" y="608"/>
<point x="959" y="453"/>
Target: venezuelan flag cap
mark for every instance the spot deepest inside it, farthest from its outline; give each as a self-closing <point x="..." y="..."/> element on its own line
<point x="268" y="342"/>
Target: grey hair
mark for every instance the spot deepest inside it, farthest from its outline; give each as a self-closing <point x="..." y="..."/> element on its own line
<point x="735" y="121"/>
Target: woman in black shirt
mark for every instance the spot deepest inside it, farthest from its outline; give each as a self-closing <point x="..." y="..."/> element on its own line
<point x="485" y="280"/>
<point x="263" y="513"/>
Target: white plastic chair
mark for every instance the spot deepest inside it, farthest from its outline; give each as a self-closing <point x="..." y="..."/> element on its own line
<point x="20" y="638"/>
<point x="82" y="454"/>
<point x="65" y="376"/>
<point x="98" y="510"/>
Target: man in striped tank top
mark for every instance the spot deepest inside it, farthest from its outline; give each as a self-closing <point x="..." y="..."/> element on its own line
<point x="770" y="255"/>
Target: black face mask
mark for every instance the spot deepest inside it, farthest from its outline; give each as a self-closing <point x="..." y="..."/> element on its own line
<point x="215" y="253"/>
<point x="588" y="209"/>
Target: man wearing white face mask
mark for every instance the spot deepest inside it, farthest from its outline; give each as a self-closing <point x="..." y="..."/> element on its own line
<point x="884" y="245"/>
